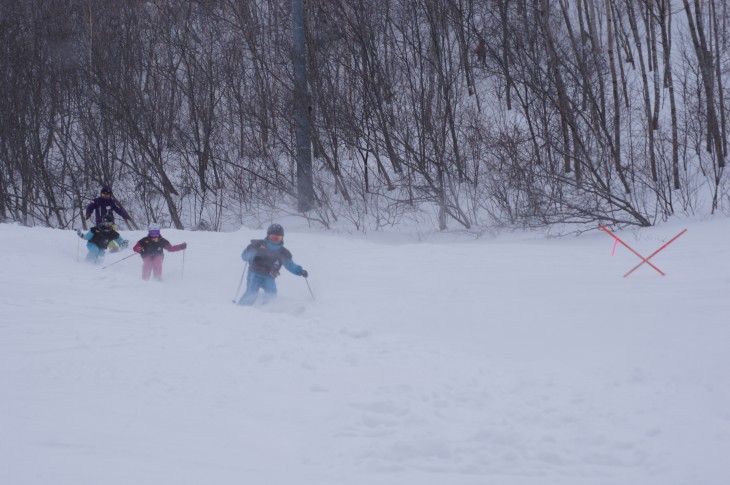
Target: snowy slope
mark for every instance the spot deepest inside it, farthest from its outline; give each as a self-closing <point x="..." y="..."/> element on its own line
<point x="513" y="360"/>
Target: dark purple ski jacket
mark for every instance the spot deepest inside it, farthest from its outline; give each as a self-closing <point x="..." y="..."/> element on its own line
<point x="101" y="207"/>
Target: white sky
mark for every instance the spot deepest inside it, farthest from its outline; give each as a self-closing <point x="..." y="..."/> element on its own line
<point x="513" y="360"/>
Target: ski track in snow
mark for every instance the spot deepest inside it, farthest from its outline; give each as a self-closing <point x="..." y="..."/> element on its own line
<point x="517" y="363"/>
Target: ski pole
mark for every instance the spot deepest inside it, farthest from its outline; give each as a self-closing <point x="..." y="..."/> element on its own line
<point x="78" y="244"/>
<point x="183" y="266"/>
<point x="115" y="262"/>
<point x="310" y="288"/>
<point x="240" y="283"/>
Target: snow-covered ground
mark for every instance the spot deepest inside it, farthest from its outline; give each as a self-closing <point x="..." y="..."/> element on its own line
<point x="513" y="360"/>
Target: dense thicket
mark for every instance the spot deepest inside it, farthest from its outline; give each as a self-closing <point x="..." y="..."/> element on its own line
<point x="459" y="113"/>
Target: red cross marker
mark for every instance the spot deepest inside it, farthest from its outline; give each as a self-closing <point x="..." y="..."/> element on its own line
<point x="643" y="259"/>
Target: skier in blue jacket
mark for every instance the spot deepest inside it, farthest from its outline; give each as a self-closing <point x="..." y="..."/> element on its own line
<point x="265" y="258"/>
<point x="105" y="205"/>
<point x="100" y="237"/>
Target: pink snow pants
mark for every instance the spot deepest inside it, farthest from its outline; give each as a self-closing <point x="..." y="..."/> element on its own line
<point x="153" y="265"/>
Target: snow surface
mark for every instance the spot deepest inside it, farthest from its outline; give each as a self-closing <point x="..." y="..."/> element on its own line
<point x="510" y="360"/>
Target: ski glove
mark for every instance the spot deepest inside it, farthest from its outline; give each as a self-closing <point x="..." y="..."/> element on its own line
<point x="304" y="273"/>
<point x="124" y="244"/>
<point x="184" y="245"/>
<point x="79" y="233"/>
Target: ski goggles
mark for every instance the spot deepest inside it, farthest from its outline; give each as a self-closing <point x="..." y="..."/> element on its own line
<point x="275" y="237"/>
<point x="154" y="234"/>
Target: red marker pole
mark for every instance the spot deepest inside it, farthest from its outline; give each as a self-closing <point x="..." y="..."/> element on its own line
<point x="655" y="253"/>
<point x="643" y="260"/>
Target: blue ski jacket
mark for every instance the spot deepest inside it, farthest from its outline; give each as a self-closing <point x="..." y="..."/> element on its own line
<point x="101" y="237"/>
<point x="266" y="258"/>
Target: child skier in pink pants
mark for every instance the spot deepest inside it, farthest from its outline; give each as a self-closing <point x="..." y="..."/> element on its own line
<point x="150" y="248"/>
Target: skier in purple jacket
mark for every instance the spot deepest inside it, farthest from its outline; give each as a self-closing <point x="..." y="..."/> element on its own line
<point x="105" y="205"/>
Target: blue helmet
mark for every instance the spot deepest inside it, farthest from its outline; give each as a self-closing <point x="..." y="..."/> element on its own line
<point x="106" y="189"/>
<point x="275" y="229"/>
